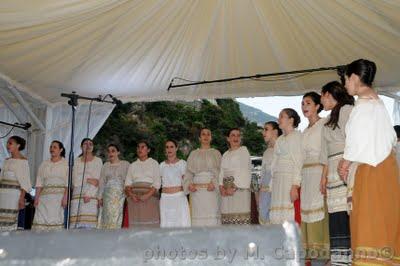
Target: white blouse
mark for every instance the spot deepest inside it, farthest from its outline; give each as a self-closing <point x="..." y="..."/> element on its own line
<point x="17" y="169"/>
<point x="144" y="171"/>
<point x="52" y="173"/>
<point x="172" y="174"/>
<point x="312" y="142"/>
<point x="370" y="136"/>
<point x="236" y="163"/>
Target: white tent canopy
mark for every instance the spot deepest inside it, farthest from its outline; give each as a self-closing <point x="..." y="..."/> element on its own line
<point x="133" y="48"/>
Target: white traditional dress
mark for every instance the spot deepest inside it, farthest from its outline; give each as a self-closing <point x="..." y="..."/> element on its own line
<point x="314" y="223"/>
<point x="236" y="172"/>
<point x="174" y="207"/>
<point x="265" y="186"/>
<point x="203" y="167"/>
<point x="333" y="141"/>
<point x="141" y="177"/>
<point x="111" y="191"/>
<point x="287" y="164"/>
<point x="14" y="176"/>
<point x="84" y="215"/>
<point x="52" y="177"/>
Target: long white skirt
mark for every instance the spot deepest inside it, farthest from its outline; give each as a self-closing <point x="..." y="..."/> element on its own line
<point x="174" y="210"/>
<point x="49" y="215"/>
<point x="9" y="196"/>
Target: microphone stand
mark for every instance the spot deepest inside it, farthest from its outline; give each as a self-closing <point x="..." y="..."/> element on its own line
<point x="73" y="101"/>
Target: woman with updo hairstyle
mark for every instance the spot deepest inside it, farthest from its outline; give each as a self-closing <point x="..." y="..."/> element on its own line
<point x="142" y="186"/>
<point x="85" y="183"/>
<point x="51" y="190"/>
<point x="111" y="194"/>
<point x="314" y="219"/>
<point x="235" y="180"/>
<point x="174" y="206"/>
<point x="335" y="99"/>
<point x="201" y="181"/>
<point x="271" y="133"/>
<point x="14" y="183"/>
<point x="375" y="197"/>
<point x="286" y="167"/>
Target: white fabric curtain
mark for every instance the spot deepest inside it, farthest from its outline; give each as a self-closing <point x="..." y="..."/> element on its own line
<point x="396" y="112"/>
<point x="134" y="48"/>
<point x="57" y="120"/>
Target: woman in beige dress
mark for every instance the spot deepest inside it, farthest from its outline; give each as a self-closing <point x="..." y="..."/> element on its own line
<point x="287" y="163"/>
<point x="51" y="190"/>
<point x="111" y="189"/>
<point x="234" y="181"/>
<point x="201" y="179"/>
<point x="14" y="183"/>
<point x="85" y="182"/>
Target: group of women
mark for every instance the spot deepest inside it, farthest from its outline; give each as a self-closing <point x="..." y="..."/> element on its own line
<point x="338" y="179"/>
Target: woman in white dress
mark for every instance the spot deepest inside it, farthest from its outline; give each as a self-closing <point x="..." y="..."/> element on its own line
<point x="234" y="181"/>
<point x="51" y="190"/>
<point x="314" y="222"/>
<point x="201" y="179"/>
<point x="174" y="207"/>
<point x="85" y="182"/>
<point x="287" y="164"/>
<point x="271" y="133"/>
<point x="335" y="98"/>
<point x="14" y="183"/>
<point x="111" y="189"/>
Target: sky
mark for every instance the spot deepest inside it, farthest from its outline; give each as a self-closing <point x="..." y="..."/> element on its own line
<point x="273" y="105"/>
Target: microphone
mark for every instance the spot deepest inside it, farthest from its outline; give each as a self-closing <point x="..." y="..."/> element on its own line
<point x="116" y="101"/>
<point x="25" y="125"/>
<point x="170" y="84"/>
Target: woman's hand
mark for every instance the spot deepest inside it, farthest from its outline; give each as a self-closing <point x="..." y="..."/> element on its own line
<point x="86" y="199"/>
<point x="64" y="201"/>
<point x="210" y="186"/>
<point x="36" y="202"/>
<point x="322" y="185"/>
<point x="21" y="203"/>
<point x="222" y="191"/>
<point x="192" y="187"/>
<point x="294" y="193"/>
<point x="343" y="169"/>
<point x="100" y="203"/>
<point x="93" y="181"/>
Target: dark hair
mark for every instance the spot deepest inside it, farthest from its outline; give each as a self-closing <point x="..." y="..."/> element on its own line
<point x="316" y="98"/>
<point x="113" y="145"/>
<point x="397" y="129"/>
<point x="339" y="93"/>
<point x="363" y="68"/>
<point x="232" y="129"/>
<point x="274" y="126"/>
<point x="291" y="113"/>
<point x="203" y="128"/>
<point x="20" y="141"/>
<point x="60" y="146"/>
<point x="145" y="142"/>
<point x="85" y="139"/>
<point x="173" y="141"/>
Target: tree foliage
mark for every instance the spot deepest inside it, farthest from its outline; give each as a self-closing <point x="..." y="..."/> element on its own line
<point x="157" y="122"/>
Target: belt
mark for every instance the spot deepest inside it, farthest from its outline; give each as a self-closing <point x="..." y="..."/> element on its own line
<point x="201" y="185"/>
<point x="309" y="165"/>
<point x="335" y="154"/>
